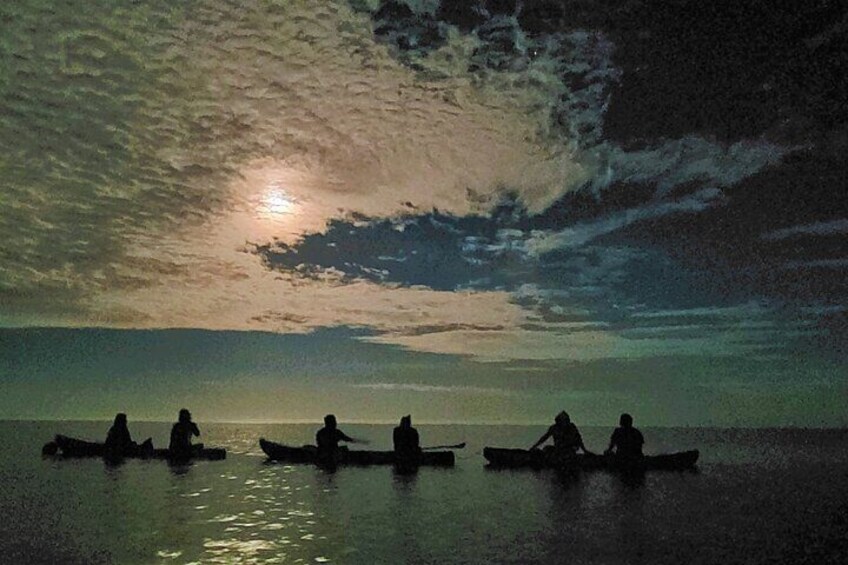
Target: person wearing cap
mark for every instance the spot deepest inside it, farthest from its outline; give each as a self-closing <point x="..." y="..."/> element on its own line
<point x="567" y="438"/>
<point x="626" y="440"/>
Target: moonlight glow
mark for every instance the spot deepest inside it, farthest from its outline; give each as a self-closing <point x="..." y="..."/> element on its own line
<point x="276" y="202"/>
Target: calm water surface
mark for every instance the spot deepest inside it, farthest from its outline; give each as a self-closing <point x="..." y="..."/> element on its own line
<point x="759" y="496"/>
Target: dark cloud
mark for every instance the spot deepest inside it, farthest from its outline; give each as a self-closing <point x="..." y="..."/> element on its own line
<point x="435" y="250"/>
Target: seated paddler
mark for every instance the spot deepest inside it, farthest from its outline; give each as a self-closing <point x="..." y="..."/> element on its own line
<point x="181" y="434"/>
<point x="626" y="440"/>
<point x="405" y="438"/>
<point x="330" y="435"/>
<point x="566" y="436"/>
<point x="119" y="440"/>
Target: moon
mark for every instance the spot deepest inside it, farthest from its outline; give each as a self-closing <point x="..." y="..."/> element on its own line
<point x="277" y="202"/>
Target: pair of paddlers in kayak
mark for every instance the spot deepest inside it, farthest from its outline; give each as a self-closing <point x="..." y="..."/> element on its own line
<point x="404" y="437"/>
<point x="626" y="441"/>
<point x="119" y="441"/>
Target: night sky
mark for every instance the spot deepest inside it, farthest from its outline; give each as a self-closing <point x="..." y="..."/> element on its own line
<point x="473" y="211"/>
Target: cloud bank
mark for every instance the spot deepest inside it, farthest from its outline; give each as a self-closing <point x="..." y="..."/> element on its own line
<point x="438" y="173"/>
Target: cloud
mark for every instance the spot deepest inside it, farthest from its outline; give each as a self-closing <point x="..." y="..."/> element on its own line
<point x="833" y="227"/>
<point x="818" y="264"/>
<point x="740" y="311"/>
<point x="574" y="69"/>
<point x="429" y="389"/>
<point x="690" y="160"/>
<point x="199" y="295"/>
<point x="581" y="234"/>
<point x="581" y="346"/>
<point x="287" y="169"/>
<point x="195" y="124"/>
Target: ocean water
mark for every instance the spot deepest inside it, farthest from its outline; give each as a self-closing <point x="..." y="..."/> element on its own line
<point x="758" y="496"/>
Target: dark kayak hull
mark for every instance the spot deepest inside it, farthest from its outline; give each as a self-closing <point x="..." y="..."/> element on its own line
<point x="547" y="459"/>
<point x="72" y="447"/>
<point x="309" y="454"/>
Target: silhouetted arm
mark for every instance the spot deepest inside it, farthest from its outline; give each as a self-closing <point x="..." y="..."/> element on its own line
<point x="613" y="441"/>
<point x="542" y="439"/>
<point x="195" y="431"/>
<point x="581" y="445"/>
<point x="344" y="437"/>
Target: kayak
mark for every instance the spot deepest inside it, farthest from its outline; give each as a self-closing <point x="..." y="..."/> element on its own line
<point x="309" y="454"/>
<point x="71" y="447"/>
<point x="547" y="459"/>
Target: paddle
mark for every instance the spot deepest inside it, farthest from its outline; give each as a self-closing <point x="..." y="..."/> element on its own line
<point x="455" y="446"/>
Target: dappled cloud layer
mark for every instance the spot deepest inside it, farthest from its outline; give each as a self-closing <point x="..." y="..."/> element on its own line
<point x="166" y="138"/>
<point x="401" y="167"/>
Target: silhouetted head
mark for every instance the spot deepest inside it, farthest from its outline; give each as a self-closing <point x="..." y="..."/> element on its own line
<point x="330" y="421"/>
<point x="121" y="419"/>
<point x="406" y="421"/>
<point x="626" y="421"/>
<point x="562" y="418"/>
<point x="185" y="416"/>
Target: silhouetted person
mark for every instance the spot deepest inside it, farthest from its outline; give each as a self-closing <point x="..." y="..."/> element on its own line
<point x="567" y="438"/>
<point x="329" y="436"/>
<point x="626" y="440"/>
<point x="118" y="439"/>
<point x="181" y="433"/>
<point x="406" y="439"/>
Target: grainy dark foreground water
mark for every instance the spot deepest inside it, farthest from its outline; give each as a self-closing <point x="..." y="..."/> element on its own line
<point x="760" y="496"/>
